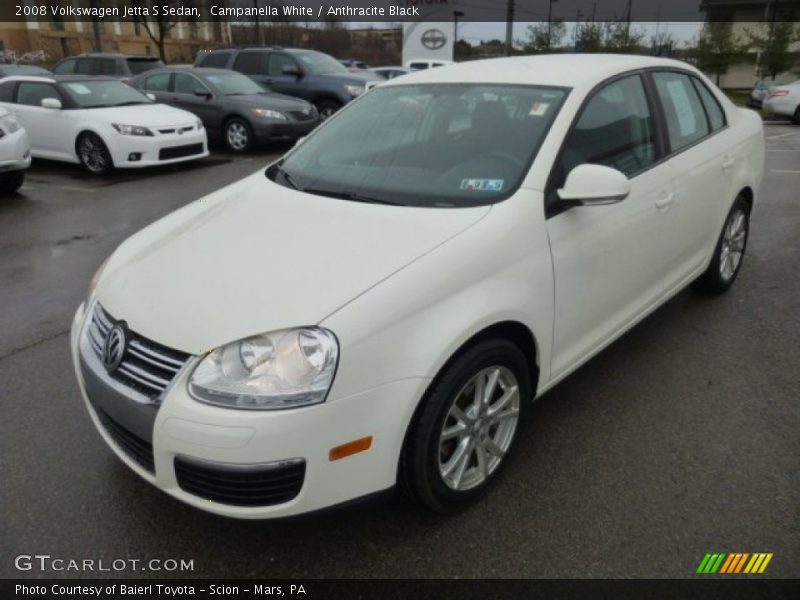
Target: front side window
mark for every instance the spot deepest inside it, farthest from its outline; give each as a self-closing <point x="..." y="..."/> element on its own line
<point x="686" y="119"/>
<point x="615" y="129"/>
<point x="250" y="63"/>
<point x="277" y="62"/>
<point x="233" y="84"/>
<point x="431" y="145"/>
<point x="187" y="84"/>
<point x="157" y="83"/>
<point x="32" y="93"/>
<point x="103" y="94"/>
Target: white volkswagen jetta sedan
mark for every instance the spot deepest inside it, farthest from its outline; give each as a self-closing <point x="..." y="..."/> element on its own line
<point x="15" y="153"/>
<point x="100" y="123"/>
<point x="380" y="305"/>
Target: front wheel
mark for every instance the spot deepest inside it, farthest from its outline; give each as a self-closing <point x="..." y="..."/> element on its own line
<point x="466" y="429"/>
<point x="327" y="108"/>
<point x="94" y="154"/>
<point x="238" y="135"/>
<point x="729" y="252"/>
<point x="10" y="182"/>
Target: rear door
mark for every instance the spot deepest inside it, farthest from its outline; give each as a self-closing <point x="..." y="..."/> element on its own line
<point x="608" y="260"/>
<point x="702" y="157"/>
<point x="252" y="63"/>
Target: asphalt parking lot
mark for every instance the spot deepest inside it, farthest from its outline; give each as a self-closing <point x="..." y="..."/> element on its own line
<point x="680" y="439"/>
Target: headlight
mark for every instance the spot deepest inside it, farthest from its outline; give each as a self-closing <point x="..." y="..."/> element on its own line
<point x="95" y="279"/>
<point x="280" y="369"/>
<point x="131" y="129"/>
<point x="354" y="90"/>
<point x="268" y="114"/>
<point x="9" y="123"/>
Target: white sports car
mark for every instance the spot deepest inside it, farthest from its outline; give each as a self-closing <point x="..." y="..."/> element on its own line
<point x="15" y="153"/>
<point x="100" y="123"/>
<point x="382" y="304"/>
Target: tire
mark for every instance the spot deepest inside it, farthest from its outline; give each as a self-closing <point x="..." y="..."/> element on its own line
<point x="796" y="117"/>
<point x="238" y="135"/>
<point x="729" y="251"/>
<point x="431" y="470"/>
<point x="11" y="182"/>
<point x="327" y="108"/>
<point x="93" y="154"/>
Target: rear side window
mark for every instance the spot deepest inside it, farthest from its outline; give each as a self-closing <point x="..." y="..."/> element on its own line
<point x="716" y="117"/>
<point x="686" y="119"/>
<point x="615" y="129"/>
<point x="65" y="67"/>
<point x="157" y="83"/>
<point x="418" y="66"/>
<point x="140" y="65"/>
<point x="250" y="63"/>
<point x="215" y="60"/>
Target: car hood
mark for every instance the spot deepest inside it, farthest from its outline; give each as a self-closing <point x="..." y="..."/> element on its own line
<point x="273" y="101"/>
<point x="256" y="256"/>
<point x="145" y="115"/>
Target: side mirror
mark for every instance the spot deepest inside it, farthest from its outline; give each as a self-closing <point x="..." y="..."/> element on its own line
<point x="291" y="71"/>
<point x="202" y="92"/>
<point x="53" y="103"/>
<point x="594" y="185"/>
<point x="151" y="96"/>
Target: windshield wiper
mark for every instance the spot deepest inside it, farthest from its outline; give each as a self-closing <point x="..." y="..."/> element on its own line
<point x="353" y="196"/>
<point x="129" y="103"/>
<point x="286" y="177"/>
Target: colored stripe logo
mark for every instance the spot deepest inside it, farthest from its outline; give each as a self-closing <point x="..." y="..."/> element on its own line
<point x="734" y="563"/>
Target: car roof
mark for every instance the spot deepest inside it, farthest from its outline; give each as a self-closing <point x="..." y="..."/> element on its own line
<point x="560" y="70"/>
<point x="57" y="78"/>
<point x="113" y="55"/>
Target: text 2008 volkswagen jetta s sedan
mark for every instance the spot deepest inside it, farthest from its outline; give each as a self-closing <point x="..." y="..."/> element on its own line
<point x="379" y="306"/>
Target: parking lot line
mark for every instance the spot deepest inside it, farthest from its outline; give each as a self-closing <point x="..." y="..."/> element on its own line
<point x="782" y="135"/>
<point x="784" y="171"/>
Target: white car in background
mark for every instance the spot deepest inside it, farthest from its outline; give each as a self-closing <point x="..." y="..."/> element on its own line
<point x="15" y="153"/>
<point x="784" y="100"/>
<point x="421" y="64"/>
<point x="100" y="123"/>
<point x="381" y="305"/>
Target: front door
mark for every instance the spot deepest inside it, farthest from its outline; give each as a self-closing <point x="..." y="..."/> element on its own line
<point x="607" y="260"/>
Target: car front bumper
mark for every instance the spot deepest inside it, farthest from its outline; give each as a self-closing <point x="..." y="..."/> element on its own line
<point x="184" y="429"/>
<point x="15" y="151"/>
<point x="272" y="130"/>
<point x="130" y="151"/>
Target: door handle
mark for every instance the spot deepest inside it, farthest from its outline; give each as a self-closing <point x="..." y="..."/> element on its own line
<point x="727" y="162"/>
<point x="665" y="199"/>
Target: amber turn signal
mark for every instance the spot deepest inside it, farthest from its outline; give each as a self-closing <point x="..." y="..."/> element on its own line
<point x="350" y="448"/>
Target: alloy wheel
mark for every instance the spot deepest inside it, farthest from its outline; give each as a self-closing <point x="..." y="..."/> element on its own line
<point x="733" y="243"/>
<point x="237" y="136"/>
<point x="93" y="154"/>
<point x="479" y="428"/>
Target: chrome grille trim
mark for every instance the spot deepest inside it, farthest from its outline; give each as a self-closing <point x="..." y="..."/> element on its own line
<point x="147" y="367"/>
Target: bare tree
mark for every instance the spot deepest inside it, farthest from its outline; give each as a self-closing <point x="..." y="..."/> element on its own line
<point x="158" y="27"/>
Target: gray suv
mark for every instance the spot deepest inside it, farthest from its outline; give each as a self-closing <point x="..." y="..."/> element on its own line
<point x="307" y="74"/>
<point x="119" y="66"/>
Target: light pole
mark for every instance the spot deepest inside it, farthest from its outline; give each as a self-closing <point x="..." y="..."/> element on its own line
<point x="550" y="21"/>
<point x="456" y="15"/>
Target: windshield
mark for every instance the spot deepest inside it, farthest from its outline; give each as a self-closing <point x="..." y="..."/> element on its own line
<point x="140" y="65"/>
<point x="102" y="94"/>
<point x="435" y="145"/>
<point x="233" y="84"/>
<point x="318" y="63"/>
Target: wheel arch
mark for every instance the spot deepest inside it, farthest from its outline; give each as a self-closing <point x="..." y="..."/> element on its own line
<point x="748" y="194"/>
<point x="84" y="130"/>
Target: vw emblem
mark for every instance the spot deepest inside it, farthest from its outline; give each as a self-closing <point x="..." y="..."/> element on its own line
<point x="433" y="39"/>
<point x="114" y="348"/>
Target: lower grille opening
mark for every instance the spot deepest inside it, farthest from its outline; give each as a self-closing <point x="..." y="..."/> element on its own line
<point x="180" y="151"/>
<point x="131" y="444"/>
<point x="241" y="485"/>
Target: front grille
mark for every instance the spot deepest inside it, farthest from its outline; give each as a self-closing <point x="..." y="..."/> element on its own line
<point x="146" y="366"/>
<point x="131" y="444"/>
<point x="302" y="116"/>
<point x="180" y="151"/>
<point x="241" y="485"/>
<point x="169" y="130"/>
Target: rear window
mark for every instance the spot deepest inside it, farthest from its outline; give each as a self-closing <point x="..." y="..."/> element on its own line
<point x="218" y="59"/>
<point x="140" y="65"/>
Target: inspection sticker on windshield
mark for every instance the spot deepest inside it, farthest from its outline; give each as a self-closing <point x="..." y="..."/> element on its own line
<point x="79" y="88"/>
<point x="538" y="109"/>
<point x="482" y="185"/>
